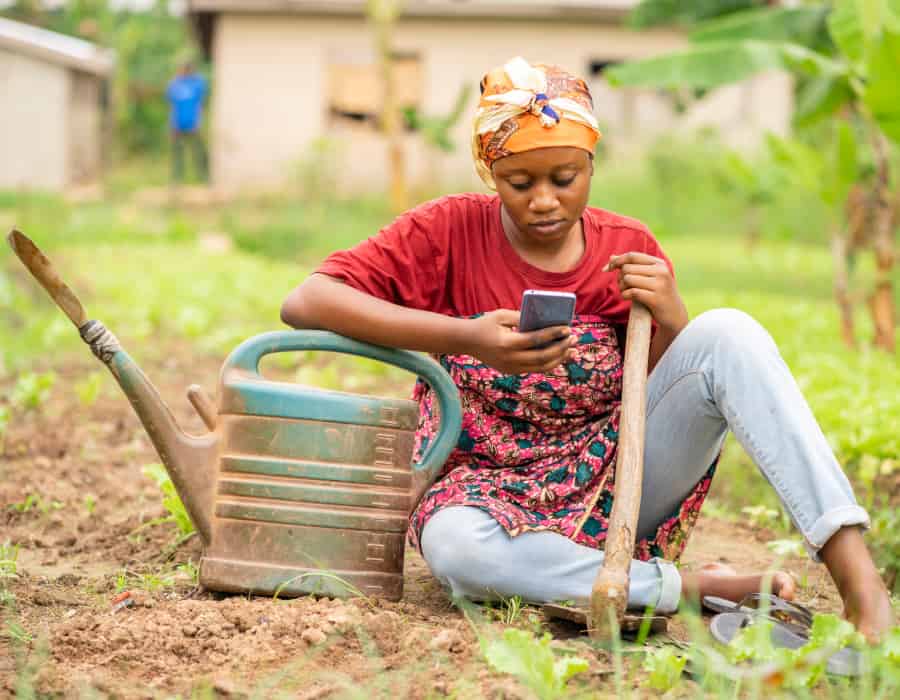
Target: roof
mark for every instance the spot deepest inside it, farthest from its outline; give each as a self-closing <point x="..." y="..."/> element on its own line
<point x="525" y="9"/>
<point x="57" y="48"/>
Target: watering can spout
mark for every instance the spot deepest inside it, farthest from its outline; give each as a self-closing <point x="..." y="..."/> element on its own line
<point x="188" y="459"/>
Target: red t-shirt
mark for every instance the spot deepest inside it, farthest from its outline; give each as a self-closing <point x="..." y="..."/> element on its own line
<point x="452" y="257"/>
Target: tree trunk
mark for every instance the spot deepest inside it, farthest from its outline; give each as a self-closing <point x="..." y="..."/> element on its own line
<point x="882" y="301"/>
<point x="384" y="14"/>
<point x="842" y="286"/>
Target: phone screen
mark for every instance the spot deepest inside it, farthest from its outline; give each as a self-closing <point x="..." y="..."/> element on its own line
<point x="544" y="309"/>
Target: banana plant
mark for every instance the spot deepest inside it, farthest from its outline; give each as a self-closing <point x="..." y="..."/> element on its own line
<point x="856" y="73"/>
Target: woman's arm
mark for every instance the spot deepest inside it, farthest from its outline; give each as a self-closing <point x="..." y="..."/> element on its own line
<point x="327" y="303"/>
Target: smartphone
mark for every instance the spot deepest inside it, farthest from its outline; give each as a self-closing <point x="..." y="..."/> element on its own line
<point x="545" y="309"/>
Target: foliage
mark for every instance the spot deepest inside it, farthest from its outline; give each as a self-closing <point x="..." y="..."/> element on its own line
<point x="171" y="502"/>
<point x="532" y="661"/>
<point x="32" y="390"/>
<point x="664" y="667"/>
<point x="649" y="13"/>
<point x="9" y="555"/>
<point x="436" y="129"/>
<point x="89" y="388"/>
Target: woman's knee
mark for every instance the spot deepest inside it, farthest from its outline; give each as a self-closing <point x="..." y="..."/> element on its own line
<point x="449" y="545"/>
<point x="729" y="329"/>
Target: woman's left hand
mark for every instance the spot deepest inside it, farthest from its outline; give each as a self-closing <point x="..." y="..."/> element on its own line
<point x="648" y="280"/>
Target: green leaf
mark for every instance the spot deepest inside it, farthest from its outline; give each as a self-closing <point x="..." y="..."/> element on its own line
<point x="664" y="666"/>
<point x="846" y="30"/>
<point x="882" y="91"/>
<point x="706" y="65"/>
<point x="803" y="165"/>
<point x="801" y="25"/>
<point x="532" y="662"/>
<point x="712" y="64"/>
<point x="820" y="98"/>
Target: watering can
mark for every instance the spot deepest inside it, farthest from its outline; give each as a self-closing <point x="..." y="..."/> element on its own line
<point x="294" y="489"/>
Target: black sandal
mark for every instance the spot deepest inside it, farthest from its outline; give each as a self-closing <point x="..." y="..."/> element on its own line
<point x="796" y="617"/>
<point x="725" y="626"/>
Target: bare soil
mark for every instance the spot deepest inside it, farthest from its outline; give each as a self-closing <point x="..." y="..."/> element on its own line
<point x="82" y="542"/>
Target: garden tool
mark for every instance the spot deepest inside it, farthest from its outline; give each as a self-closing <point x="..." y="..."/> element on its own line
<point x="294" y="489"/>
<point x="606" y="615"/>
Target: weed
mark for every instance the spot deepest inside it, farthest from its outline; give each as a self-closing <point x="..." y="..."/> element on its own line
<point x="147" y="581"/>
<point x="664" y="667"/>
<point x="191" y="571"/>
<point x="90" y="504"/>
<point x="171" y="502"/>
<point x="26" y="505"/>
<point x="32" y="390"/>
<point x="88" y="389"/>
<point x="760" y="515"/>
<point x="532" y="661"/>
<point x="511" y="609"/>
<point x="17" y="633"/>
<point x="9" y="555"/>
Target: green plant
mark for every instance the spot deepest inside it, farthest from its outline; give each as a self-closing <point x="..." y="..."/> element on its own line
<point x="4" y="426"/>
<point x="171" y="502"/>
<point x="532" y="661"/>
<point x="32" y="390"/>
<point x="90" y="504"/>
<point x="89" y="388"/>
<point x="9" y="555"/>
<point x="16" y="632"/>
<point x="664" y="667"/>
<point x="26" y="505"/>
<point x="190" y="570"/>
<point x="787" y="547"/>
<point x="511" y="609"/>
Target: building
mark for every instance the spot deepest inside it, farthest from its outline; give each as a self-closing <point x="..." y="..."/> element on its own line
<point x="289" y="73"/>
<point x="52" y="108"/>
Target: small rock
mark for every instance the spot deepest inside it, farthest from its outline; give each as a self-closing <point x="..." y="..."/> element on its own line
<point x="189" y="630"/>
<point x="313" y="636"/>
<point x="448" y="640"/>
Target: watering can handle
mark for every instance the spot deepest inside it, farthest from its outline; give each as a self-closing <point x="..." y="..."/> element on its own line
<point x="249" y="353"/>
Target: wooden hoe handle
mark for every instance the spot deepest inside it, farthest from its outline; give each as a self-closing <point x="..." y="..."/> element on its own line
<point x="609" y="595"/>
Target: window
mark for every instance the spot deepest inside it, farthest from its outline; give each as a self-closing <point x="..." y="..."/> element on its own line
<point x="353" y="87"/>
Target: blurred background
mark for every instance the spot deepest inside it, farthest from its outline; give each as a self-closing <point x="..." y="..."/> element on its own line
<point x="185" y="164"/>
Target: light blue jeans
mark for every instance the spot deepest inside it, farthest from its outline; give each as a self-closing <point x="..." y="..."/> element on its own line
<point x="723" y="372"/>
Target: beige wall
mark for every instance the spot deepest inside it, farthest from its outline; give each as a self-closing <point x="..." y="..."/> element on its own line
<point x="268" y="103"/>
<point x="33" y="113"/>
<point x="85" y="128"/>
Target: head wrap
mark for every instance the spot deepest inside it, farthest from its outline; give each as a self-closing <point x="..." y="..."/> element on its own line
<point x="527" y="106"/>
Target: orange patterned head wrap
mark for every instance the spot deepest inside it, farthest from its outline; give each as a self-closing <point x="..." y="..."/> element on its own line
<point x="527" y="106"/>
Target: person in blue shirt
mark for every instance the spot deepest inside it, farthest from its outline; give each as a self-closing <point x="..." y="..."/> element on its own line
<point x="186" y="94"/>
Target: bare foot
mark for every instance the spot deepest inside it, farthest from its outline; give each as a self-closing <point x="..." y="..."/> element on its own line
<point x="867" y="603"/>
<point x="722" y="581"/>
<point x="869" y="609"/>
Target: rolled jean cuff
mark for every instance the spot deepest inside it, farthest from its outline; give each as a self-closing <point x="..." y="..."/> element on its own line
<point x="670" y="586"/>
<point x="832" y="521"/>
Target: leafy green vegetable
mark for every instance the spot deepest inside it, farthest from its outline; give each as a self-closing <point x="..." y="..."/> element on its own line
<point x="665" y="666"/>
<point x="531" y="660"/>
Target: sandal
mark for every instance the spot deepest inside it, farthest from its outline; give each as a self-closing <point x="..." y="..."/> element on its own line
<point x="796" y="617"/>
<point x="725" y="626"/>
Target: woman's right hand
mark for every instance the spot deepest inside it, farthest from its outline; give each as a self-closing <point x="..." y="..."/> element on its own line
<point x="494" y="341"/>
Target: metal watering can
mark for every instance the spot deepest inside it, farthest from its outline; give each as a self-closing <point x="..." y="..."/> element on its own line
<point x="294" y="490"/>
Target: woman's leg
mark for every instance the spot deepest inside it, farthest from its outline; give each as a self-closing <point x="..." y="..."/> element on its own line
<point x="724" y="372"/>
<point x="471" y="554"/>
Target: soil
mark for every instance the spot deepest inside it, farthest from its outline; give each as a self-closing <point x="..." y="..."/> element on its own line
<point x="84" y="539"/>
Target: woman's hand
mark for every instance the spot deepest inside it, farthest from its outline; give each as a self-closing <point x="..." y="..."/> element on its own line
<point x="494" y="341"/>
<point x="648" y="280"/>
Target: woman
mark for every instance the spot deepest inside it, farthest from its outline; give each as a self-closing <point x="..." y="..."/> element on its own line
<point x="510" y="514"/>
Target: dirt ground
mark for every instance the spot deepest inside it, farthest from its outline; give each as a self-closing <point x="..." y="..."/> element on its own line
<point x="81" y="543"/>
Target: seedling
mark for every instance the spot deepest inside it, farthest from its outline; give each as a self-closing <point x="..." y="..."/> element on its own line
<point x="32" y="390"/>
<point x="171" y="502"/>
<point x="88" y="389"/>
<point x="665" y="666"/>
<point x="90" y="504"/>
<point x="9" y="554"/>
